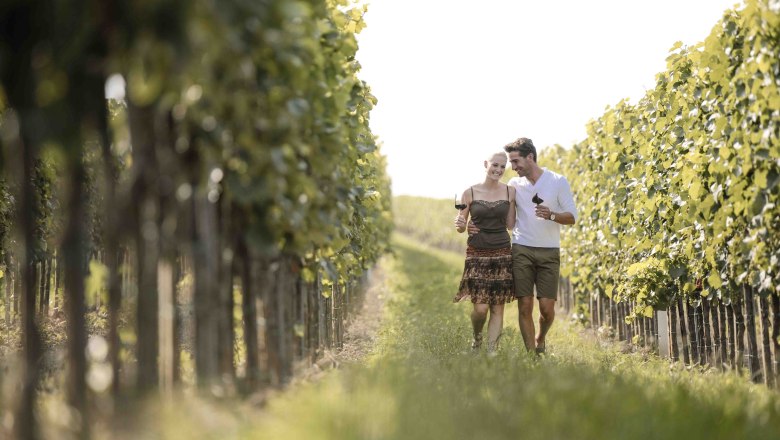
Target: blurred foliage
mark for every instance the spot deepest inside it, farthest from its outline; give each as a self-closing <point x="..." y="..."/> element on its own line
<point x="44" y="205"/>
<point x="6" y="212"/>
<point x="429" y="221"/>
<point x="265" y="95"/>
<point x="279" y="119"/>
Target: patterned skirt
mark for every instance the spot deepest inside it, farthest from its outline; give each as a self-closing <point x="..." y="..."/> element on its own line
<point x="487" y="277"/>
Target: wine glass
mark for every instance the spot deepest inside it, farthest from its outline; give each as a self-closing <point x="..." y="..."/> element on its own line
<point x="538" y="200"/>
<point x="459" y="205"/>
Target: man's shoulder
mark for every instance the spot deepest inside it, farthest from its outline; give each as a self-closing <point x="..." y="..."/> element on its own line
<point x="557" y="177"/>
<point x="517" y="181"/>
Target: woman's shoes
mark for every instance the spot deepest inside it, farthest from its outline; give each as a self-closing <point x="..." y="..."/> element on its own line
<point x="540" y="348"/>
<point x="492" y="348"/>
<point x="477" y="343"/>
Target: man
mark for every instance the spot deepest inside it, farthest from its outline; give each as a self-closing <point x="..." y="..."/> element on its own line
<point x="544" y="203"/>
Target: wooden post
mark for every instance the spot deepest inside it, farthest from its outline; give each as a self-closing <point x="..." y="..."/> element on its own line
<point x="205" y="253"/>
<point x="769" y="374"/>
<point x="600" y="305"/>
<point x="755" y="366"/>
<point x="38" y="277"/>
<point x="111" y="242"/>
<point x="322" y="331"/>
<point x="336" y="318"/>
<point x="114" y="305"/>
<point x="166" y="290"/>
<point x="178" y="322"/>
<point x="705" y="318"/>
<point x="313" y="335"/>
<point x="613" y="316"/>
<point x="664" y="334"/>
<point x="286" y="317"/>
<point x="329" y="320"/>
<point x="25" y="424"/>
<point x="225" y="301"/>
<point x="700" y="344"/>
<point x="739" y="317"/>
<point x="627" y="327"/>
<point x="249" y="315"/>
<point x="18" y="289"/>
<point x="303" y="318"/>
<point x="47" y="262"/>
<point x="8" y="288"/>
<point x="683" y="331"/>
<point x="732" y="329"/>
<point x="146" y="235"/>
<point x="776" y="334"/>
<point x="693" y="340"/>
<point x="272" y="324"/>
<point x="654" y="333"/>
<point x="675" y="351"/>
<point x="723" y="325"/>
<point x="74" y="259"/>
<point x="715" y="321"/>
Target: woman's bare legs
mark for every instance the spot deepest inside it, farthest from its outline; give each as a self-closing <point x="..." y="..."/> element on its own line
<point x="495" y="325"/>
<point x="478" y="318"/>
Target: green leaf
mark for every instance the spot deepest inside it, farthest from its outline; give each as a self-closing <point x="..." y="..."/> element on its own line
<point x="714" y="280"/>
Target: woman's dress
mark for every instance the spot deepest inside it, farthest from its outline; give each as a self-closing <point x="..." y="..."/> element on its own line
<point x="487" y="273"/>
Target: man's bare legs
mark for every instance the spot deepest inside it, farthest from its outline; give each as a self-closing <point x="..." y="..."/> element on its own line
<point x="546" y="318"/>
<point x="525" y="308"/>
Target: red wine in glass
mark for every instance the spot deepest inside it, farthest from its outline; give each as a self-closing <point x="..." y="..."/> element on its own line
<point x="459" y="206"/>
<point x="538" y="200"/>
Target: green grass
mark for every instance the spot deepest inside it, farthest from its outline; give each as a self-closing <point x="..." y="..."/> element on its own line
<point x="422" y="383"/>
<point x="428" y="221"/>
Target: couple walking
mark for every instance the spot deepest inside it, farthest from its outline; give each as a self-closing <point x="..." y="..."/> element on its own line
<point x="498" y="269"/>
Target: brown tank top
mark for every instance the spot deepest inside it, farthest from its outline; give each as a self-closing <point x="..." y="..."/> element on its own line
<point x="490" y="218"/>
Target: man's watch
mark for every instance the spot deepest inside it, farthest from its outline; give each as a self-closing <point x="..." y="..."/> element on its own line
<point x="552" y="216"/>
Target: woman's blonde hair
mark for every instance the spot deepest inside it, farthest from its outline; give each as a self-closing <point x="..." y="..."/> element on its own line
<point x="497" y="153"/>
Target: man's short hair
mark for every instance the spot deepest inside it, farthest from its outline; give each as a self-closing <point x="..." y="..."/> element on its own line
<point x="524" y="146"/>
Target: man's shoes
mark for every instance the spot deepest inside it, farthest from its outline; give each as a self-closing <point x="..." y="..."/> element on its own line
<point x="540" y="349"/>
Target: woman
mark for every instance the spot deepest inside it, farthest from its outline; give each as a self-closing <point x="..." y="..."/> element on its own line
<point x="487" y="275"/>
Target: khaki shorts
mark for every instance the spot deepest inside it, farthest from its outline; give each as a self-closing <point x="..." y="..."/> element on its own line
<point x="535" y="266"/>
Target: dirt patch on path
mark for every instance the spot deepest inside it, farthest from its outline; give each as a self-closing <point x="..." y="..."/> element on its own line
<point x="361" y="331"/>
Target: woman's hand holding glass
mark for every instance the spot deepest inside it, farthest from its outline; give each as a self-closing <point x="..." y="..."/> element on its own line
<point x="460" y="223"/>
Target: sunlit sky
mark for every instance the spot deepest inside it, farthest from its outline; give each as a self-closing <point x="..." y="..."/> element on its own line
<point x="456" y="80"/>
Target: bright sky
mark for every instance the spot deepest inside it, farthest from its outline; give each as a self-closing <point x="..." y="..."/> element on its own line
<point x="456" y="80"/>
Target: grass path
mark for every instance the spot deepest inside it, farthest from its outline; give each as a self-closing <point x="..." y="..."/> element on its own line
<point x="421" y="382"/>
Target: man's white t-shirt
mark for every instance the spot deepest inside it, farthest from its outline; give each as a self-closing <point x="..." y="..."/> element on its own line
<point x="531" y="230"/>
